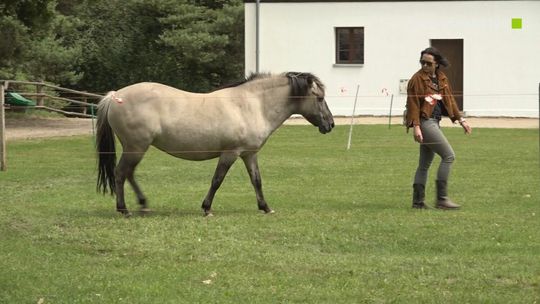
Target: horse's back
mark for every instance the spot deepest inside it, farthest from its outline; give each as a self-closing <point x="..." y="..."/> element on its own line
<point x="148" y="98"/>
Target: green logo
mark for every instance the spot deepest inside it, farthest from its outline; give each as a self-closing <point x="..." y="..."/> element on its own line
<point x="516" y="23"/>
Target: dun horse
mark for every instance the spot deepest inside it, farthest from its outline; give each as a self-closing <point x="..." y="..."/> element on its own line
<point x="229" y="123"/>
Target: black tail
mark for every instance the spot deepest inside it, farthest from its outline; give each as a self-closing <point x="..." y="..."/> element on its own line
<point x="105" y="147"/>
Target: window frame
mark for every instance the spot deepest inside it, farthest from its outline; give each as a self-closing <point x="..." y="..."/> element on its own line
<point x="352" y="61"/>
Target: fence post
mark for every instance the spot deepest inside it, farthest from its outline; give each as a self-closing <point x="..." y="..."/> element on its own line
<point x="39" y="91"/>
<point x="85" y="109"/>
<point x="3" y="165"/>
<point x="390" y="113"/>
<point x="352" y="118"/>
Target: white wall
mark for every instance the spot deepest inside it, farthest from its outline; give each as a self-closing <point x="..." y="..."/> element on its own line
<point x="501" y="64"/>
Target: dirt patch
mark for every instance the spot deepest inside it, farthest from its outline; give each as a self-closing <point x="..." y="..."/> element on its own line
<point x="26" y="128"/>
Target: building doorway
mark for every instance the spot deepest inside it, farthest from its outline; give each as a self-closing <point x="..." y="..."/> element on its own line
<point x="453" y="50"/>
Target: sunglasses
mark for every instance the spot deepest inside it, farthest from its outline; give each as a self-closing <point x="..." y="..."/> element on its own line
<point x="428" y="63"/>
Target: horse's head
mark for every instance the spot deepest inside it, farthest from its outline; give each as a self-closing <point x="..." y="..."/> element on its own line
<point x="307" y="91"/>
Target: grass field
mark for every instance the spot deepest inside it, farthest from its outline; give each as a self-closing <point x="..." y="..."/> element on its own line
<point x="343" y="231"/>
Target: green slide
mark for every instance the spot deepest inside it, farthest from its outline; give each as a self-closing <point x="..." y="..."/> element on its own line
<point x="15" y="99"/>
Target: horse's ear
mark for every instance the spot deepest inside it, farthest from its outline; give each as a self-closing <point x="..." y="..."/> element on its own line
<point x="315" y="90"/>
<point x="311" y="84"/>
<point x="310" y="79"/>
<point x="316" y="86"/>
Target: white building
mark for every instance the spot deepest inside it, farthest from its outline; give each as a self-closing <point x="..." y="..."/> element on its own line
<point x="494" y="48"/>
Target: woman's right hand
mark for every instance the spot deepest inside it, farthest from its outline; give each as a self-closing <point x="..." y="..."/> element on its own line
<point x="418" y="134"/>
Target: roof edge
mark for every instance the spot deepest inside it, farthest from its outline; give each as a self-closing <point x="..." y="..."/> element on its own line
<point x="330" y="1"/>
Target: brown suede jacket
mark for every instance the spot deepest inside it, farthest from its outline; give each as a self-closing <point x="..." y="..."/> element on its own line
<point x="418" y="88"/>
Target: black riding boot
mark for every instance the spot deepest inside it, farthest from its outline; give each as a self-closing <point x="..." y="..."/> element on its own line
<point x="419" y="196"/>
<point x="443" y="201"/>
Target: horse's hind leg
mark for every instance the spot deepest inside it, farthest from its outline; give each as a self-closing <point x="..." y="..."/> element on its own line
<point x="226" y="160"/>
<point x="125" y="170"/>
<point x="252" y="166"/>
<point x="137" y="189"/>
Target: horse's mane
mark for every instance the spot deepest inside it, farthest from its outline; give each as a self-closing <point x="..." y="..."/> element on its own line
<point x="300" y="83"/>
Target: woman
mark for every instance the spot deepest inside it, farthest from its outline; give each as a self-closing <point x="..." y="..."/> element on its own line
<point x="429" y="97"/>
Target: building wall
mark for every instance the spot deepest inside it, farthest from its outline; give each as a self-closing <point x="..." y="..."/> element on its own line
<point x="501" y="64"/>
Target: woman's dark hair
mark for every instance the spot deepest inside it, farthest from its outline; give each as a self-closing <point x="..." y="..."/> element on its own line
<point x="437" y="55"/>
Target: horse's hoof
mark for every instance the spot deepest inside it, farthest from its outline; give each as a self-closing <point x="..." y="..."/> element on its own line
<point x="208" y="213"/>
<point x="268" y="211"/>
<point x="145" y="210"/>
<point x="124" y="212"/>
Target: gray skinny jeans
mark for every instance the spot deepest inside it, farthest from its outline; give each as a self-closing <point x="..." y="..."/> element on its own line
<point x="434" y="142"/>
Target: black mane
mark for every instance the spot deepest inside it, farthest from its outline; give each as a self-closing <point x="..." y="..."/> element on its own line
<point x="301" y="83"/>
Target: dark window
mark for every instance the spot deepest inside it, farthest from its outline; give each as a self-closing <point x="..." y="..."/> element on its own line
<point x="350" y="45"/>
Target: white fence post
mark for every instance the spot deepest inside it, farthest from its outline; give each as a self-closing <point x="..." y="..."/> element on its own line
<point x="352" y="118"/>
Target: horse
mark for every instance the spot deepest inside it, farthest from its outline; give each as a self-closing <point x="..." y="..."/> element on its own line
<point x="229" y="123"/>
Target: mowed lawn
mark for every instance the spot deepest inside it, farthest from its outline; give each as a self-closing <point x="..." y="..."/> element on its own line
<point x="343" y="231"/>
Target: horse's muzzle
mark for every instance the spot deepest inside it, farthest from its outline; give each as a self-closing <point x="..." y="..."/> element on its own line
<point x="326" y="127"/>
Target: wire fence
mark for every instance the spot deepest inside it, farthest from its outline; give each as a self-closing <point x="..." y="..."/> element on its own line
<point x="386" y="104"/>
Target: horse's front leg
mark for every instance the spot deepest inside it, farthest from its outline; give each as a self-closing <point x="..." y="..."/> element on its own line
<point x="252" y="166"/>
<point x="226" y="160"/>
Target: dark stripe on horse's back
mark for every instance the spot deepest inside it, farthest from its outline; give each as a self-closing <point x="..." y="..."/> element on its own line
<point x="251" y="77"/>
<point x="300" y="82"/>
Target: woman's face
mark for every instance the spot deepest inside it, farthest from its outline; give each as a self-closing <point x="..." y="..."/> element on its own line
<point x="428" y="64"/>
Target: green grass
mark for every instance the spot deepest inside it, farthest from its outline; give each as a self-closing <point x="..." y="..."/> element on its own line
<point x="343" y="231"/>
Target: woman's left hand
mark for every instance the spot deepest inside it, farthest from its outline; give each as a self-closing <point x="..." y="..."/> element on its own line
<point x="466" y="127"/>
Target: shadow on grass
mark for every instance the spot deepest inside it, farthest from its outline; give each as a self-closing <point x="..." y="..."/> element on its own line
<point x="165" y="213"/>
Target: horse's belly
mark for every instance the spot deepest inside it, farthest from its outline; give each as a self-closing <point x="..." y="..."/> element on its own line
<point x="197" y="156"/>
<point x="206" y="141"/>
<point x="195" y="149"/>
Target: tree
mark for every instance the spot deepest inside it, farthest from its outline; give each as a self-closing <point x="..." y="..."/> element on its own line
<point x="37" y="49"/>
<point x="175" y="42"/>
<point x="206" y="44"/>
<point x="102" y="45"/>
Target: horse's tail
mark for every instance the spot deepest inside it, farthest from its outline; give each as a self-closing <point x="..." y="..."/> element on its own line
<point x="105" y="146"/>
